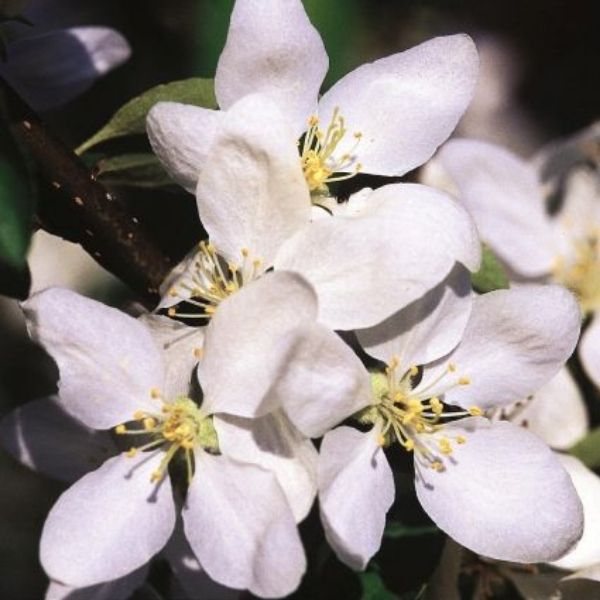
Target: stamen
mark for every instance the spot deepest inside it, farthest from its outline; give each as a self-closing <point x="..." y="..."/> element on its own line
<point x="318" y="164"/>
<point x="210" y="280"/>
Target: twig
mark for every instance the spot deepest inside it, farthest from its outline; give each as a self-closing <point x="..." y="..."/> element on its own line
<point x="80" y="209"/>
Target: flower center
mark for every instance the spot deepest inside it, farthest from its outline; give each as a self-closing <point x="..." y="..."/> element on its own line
<point x="581" y="272"/>
<point x="210" y="280"/>
<point x="181" y="425"/>
<point x="319" y="166"/>
<point x="414" y="420"/>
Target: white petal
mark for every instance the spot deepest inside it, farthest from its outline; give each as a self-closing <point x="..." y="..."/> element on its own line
<point x="181" y="345"/>
<point x="405" y="105"/>
<point x="426" y="329"/>
<point x="41" y="435"/>
<point x="246" y="342"/>
<point x="181" y="136"/>
<point x="356" y="489"/>
<point x="502" y="494"/>
<point x="556" y="413"/>
<point x="580" y="211"/>
<point x="589" y="350"/>
<point x="272" y="48"/>
<point x="366" y="267"/>
<point x="587" y="483"/>
<point x="502" y="193"/>
<point x="515" y="341"/>
<point x="109" y="523"/>
<point x="53" y="68"/>
<point x="324" y="381"/>
<point x="179" y="274"/>
<point x="273" y="443"/>
<point x="241" y="528"/>
<point x="252" y="192"/>
<point x="118" y="589"/>
<point x="107" y="361"/>
<point x="189" y="573"/>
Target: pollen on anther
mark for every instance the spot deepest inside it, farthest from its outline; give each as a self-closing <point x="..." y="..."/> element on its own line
<point x="475" y="411"/>
<point x="131" y="452"/>
<point x="464" y="381"/>
<point x="120" y="429"/>
<point x="198" y="352"/>
<point x="155" y="393"/>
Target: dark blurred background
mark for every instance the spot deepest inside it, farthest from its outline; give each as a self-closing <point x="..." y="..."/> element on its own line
<point x="540" y="79"/>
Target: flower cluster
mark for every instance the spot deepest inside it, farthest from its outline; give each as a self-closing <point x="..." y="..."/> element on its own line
<point x="190" y="431"/>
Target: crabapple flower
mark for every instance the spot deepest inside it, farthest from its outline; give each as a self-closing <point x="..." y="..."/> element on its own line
<point x="505" y="197"/>
<point x="42" y="436"/>
<point x="446" y="365"/>
<point x="385" y="117"/>
<point x="403" y="241"/>
<point x="51" y="69"/>
<point x="237" y="517"/>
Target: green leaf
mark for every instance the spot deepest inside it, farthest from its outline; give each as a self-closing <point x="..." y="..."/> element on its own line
<point x="396" y="530"/>
<point x="373" y="587"/>
<point x="491" y="276"/>
<point x="139" y="170"/>
<point x="587" y="450"/>
<point x="130" y="119"/>
<point x="16" y="202"/>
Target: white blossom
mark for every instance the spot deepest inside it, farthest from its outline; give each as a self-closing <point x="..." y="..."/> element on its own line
<point x="472" y="477"/>
<point x="238" y="518"/>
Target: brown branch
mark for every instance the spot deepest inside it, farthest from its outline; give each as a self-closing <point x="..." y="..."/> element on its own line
<point x="77" y="207"/>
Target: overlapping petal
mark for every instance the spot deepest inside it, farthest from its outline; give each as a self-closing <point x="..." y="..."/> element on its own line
<point x="502" y="193"/>
<point x="41" y="435"/>
<point x="502" y="494"/>
<point x="366" y="267"/>
<point x="252" y="193"/>
<point x="247" y="339"/>
<point x="181" y="136"/>
<point x="273" y="443"/>
<point x="272" y="48"/>
<point x="428" y="328"/>
<point x="405" y="105"/>
<point x="587" y="551"/>
<point x="515" y="341"/>
<point x="109" y="523"/>
<point x="589" y="350"/>
<point x="323" y="383"/>
<point x="240" y="526"/>
<point x="356" y="489"/>
<point x="557" y="412"/>
<point x="108" y="362"/>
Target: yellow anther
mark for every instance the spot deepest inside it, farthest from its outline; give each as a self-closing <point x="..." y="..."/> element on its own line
<point x="436" y="405"/>
<point x="313" y="121"/>
<point x="131" y="452"/>
<point x="358" y="135"/>
<point x="475" y="411"/>
<point x="445" y="446"/>
<point x="381" y="440"/>
<point x="245" y="252"/>
<point x="451" y="367"/>
<point x="394" y="362"/>
<point x="138" y="415"/>
<point x="414" y="370"/>
<point x="198" y="352"/>
<point x="120" y="429"/>
<point x="172" y="312"/>
<point x="460" y="439"/>
<point x="155" y="393"/>
<point x="464" y="381"/>
<point x="409" y="444"/>
<point x="437" y="465"/>
<point x="173" y="292"/>
<point x="210" y="310"/>
<point x="156" y="476"/>
<point x="149" y="423"/>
